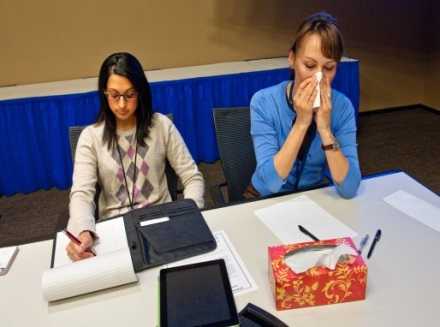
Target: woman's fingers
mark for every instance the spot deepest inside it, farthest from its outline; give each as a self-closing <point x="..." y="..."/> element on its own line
<point x="326" y="94"/>
<point x="72" y="252"/>
<point x="304" y="94"/>
<point x="305" y="83"/>
<point x="86" y="240"/>
<point x="312" y="96"/>
<point x="326" y="87"/>
<point x="77" y="252"/>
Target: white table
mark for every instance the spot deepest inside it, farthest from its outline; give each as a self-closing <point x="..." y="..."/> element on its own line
<point x="402" y="287"/>
<point x="90" y="84"/>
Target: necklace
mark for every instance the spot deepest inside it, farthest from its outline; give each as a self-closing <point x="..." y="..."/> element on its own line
<point x="289" y="99"/>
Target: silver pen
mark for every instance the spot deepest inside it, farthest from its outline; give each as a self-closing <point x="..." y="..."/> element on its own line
<point x="364" y="242"/>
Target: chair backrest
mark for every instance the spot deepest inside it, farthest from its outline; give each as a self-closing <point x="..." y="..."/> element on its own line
<point x="74" y="133"/>
<point x="171" y="174"/>
<point x="232" y="129"/>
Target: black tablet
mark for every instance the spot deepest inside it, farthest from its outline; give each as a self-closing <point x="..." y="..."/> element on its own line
<point x="197" y="295"/>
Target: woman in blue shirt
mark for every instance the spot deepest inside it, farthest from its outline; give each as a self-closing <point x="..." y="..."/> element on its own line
<point x="296" y="145"/>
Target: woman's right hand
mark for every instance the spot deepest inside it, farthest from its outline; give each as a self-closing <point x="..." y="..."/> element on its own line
<point x="79" y="252"/>
<point x="303" y="101"/>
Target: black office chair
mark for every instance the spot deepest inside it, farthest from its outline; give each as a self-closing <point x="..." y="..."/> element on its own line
<point x="74" y="133"/>
<point x="232" y="130"/>
<point x="172" y="179"/>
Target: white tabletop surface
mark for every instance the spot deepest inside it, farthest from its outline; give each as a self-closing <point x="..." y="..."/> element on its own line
<point x="402" y="288"/>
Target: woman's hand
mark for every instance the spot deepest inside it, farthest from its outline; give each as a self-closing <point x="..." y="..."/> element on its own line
<point x="303" y="101"/>
<point x="324" y="113"/>
<point x="79" y="252"/>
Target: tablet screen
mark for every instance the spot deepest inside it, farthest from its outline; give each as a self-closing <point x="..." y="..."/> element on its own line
<point x="197" y="295"/>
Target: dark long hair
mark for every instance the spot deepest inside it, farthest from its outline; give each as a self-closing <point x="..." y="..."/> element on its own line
<point x="126" y="65"/>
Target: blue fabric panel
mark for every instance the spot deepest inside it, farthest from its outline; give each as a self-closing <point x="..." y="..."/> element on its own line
<point x="34" y="142"/>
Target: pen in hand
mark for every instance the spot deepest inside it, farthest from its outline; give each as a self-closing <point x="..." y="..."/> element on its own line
<point x="77" y="241"/>
<point x="305" y="231"/>
<point x="373" y="245"/>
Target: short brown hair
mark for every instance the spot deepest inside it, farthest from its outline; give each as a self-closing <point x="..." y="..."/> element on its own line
<point x="323" y="24"/>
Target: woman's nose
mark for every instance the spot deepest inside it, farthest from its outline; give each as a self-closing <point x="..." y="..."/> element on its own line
<point x="121" y="102"/>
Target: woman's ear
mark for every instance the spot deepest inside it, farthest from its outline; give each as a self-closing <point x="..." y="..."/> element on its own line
<point x="291" y="59"/>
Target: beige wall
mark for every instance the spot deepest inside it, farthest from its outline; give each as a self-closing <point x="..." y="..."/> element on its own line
<point x="432" y="95"/>
<point x="390" y="77"/>
<point x="432" y="74"/>
<point x="55" y="40"/>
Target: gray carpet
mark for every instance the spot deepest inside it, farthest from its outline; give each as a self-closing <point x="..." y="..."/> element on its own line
<point x="406" y="139"/>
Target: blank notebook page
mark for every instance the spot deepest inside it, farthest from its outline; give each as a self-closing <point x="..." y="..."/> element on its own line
<point x="111" y="267"/>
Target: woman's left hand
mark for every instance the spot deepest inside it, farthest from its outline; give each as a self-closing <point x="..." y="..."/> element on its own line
<point x="324" y="113"/>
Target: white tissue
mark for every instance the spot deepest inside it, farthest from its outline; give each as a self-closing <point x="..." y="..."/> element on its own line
<point x="314" y="257"/>
<point x="317" y="102"/>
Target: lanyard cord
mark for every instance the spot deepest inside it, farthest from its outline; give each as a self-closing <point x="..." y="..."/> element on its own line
<point x="130" y="200"/>
<point x="305" y="146"/>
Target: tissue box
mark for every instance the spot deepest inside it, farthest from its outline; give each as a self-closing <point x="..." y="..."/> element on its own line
<point x="318" y="285"/>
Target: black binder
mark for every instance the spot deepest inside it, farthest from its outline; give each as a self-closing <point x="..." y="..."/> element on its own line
<point x="253" y="316"/>
<point x="184" y="235"/>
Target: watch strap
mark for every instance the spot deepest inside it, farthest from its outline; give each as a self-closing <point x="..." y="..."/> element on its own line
<point x="333" y="146"/>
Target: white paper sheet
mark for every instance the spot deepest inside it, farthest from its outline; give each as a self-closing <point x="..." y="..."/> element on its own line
<point x="112" y="237"/>
<point x="283" y="220"/>
<point x="239" y="277"/>
<point x="7" y="256"/>
<point x="419" y="209"/>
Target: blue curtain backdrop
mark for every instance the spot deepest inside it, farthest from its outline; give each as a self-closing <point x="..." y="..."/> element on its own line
<point x="34" y="142"/>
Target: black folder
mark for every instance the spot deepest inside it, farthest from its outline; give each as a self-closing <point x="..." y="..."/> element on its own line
<point x="182" y="235"/>
<point x="160" y="241"/>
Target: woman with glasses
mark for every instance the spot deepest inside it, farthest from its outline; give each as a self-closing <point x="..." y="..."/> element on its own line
<point x="303" y="130"/>
<point x="125" y="153"/>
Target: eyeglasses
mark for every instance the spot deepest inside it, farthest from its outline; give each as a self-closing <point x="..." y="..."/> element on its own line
<point x="114" y="96"/>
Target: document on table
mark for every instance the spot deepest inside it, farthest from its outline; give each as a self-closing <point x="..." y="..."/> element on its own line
<point x="239" y="277"/>
<point x="283" y="220"/>
<point x="7" y="256"/>
<point x="111" y="267"/>
<point x="416" y="208"/>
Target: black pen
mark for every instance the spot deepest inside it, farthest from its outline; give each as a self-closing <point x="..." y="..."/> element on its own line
<point x="373" y="245"/>
<point x="305" y="231"/>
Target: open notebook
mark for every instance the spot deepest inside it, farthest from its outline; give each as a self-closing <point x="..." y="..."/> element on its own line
<point x="111" y="267"/>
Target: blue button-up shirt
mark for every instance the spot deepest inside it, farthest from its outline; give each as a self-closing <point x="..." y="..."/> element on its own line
<point x="271" y="121"/>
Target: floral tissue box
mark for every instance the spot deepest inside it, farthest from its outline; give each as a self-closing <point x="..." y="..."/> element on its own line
<point x="318" y="285"/>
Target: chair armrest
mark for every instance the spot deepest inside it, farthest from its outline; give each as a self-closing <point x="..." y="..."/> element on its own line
<point x="217" y="195"/>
